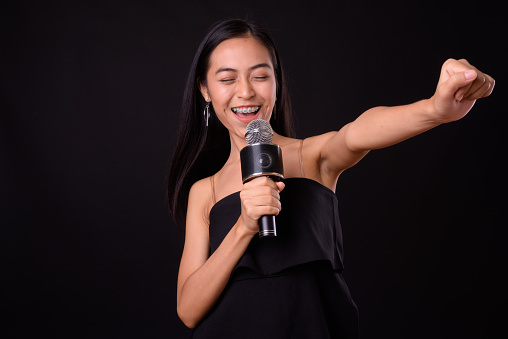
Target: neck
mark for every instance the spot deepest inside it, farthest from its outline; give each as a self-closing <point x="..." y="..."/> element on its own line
<point x="238" y="143"/>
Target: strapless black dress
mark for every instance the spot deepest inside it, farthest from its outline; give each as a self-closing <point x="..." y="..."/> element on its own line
<point x="289" y="286"/>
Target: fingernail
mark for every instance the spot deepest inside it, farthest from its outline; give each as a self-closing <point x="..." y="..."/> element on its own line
<point x="469" y="74"/>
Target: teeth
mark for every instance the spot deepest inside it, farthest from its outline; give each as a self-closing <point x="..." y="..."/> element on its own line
<point x="246" y="110"/>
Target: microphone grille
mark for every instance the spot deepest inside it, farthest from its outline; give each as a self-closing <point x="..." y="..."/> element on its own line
<point x="259" y="131"/>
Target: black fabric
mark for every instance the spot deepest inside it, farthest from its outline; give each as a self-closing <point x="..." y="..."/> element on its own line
<point x="289" y="286"/>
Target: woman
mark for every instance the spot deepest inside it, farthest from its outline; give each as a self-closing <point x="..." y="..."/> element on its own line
<point x="232" y="284"/>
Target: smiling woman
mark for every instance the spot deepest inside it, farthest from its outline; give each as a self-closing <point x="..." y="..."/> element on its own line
<point x="238" y="71"/>
<point x="202" y="150"/>
<point x="241" y="80"/>
<point x="232" y="284"/>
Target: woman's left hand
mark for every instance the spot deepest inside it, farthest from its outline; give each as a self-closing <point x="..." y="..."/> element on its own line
<point x="460" y="85"/>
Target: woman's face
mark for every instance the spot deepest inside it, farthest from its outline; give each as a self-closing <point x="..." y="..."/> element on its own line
<point x="241" y="83"/>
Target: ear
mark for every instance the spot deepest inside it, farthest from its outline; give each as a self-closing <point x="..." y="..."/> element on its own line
<point x="204" y="90"/>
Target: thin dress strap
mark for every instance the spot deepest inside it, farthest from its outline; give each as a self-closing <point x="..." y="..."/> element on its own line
<point x="213" y="189"/>
<point x="302" y="174"/>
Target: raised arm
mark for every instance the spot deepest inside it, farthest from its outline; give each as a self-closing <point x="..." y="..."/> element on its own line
<point x="460" y="85"/>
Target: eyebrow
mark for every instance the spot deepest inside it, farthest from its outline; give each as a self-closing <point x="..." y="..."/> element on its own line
<point x="228" y="69"/>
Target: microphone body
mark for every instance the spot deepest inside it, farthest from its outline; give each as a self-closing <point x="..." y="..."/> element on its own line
<point x="262" y="158"/>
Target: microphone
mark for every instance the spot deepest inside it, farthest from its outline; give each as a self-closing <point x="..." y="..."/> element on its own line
<point x="262" y="158"/>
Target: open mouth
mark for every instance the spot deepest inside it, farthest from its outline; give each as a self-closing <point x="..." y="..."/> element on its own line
<point x="246" y="112"/>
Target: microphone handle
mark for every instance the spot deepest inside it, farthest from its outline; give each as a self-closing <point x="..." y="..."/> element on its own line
<point x="267" y="227"/>
<point x="257" y="160"/>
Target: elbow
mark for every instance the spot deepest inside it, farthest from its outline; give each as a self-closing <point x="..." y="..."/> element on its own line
<point x="187" y="319"/>
<point x="189" y="323"/>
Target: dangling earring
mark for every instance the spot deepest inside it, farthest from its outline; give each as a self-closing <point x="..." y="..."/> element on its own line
<point x="206" y="112"/>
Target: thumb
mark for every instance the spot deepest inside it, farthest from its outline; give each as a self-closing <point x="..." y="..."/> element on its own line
<point x="458" y="84"/>
<point x="280" y="185"/>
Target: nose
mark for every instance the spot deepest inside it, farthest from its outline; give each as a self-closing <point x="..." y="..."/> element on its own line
<point x="245" y="90"/>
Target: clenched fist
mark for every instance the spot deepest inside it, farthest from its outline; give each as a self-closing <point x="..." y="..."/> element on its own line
<point x="460" y="85"/>
<point x="259" y="197"/>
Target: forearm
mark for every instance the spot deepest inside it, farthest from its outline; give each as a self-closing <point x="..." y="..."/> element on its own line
<point x="203" y="288"/>
<point x="381" y="127"/>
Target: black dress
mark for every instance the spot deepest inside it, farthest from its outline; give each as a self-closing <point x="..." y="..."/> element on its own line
<point x="289" y="286"/>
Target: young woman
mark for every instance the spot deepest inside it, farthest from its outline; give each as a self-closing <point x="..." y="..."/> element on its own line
<point x="231" y="284"/>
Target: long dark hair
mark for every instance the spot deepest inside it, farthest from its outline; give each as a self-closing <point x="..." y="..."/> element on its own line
<point x="201" y="151"/>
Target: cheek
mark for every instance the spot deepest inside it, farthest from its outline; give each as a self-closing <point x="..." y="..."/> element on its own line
<point x="272" y="87"/>
<point x="220" y="96"/>
<point x="271" y="92"/>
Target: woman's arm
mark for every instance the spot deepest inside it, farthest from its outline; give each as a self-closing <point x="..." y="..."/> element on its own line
<point x="201" y="279"/>
<point x="459" y="86"/>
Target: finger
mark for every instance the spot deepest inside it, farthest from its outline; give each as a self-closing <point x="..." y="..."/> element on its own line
<point x="280" y="185"/>
<point x="256" y="182"/>
<point x="480" y="91"/>
<point x="260" y="196"/>
<point x="459" y="84"/>
<point x="478" y="86"/>
<point x="456" y="78"/>
<point x="451" y="67"/>
<point x="267" y="201"/>
<point x="263" y="200"/>
<point x="492" y="83"/>
<point x="261" y="181"/>
<point x="260" y="190"/>
<point x="255" y="212"/>
<point x="267" y="210"/>
<point x="266" y="182"/>
<point x="262" y="206"/>
<point x="465" y="62"/>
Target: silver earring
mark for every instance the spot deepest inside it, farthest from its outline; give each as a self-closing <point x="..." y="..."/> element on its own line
<point x="206" y="113"/>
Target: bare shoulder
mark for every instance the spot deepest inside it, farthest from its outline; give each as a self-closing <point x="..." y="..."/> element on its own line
<point x="200" y="201"/>
<point x="322" y="157"/>
<point x="311" y="143"/>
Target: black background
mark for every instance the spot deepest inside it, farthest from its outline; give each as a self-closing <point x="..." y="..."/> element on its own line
<point x="90" y="99"/>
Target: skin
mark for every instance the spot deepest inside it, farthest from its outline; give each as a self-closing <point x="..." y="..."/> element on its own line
<point x="241" y="75"/>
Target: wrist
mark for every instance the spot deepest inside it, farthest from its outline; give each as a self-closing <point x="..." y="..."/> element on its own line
<point x="431" y="113"/>
<point x="242" y="231"/>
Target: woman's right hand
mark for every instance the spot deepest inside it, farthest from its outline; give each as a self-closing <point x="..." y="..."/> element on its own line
<point x="259" y="197"/>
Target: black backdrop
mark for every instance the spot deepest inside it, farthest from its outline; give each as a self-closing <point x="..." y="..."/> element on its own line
<point x="90" y="100"/>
